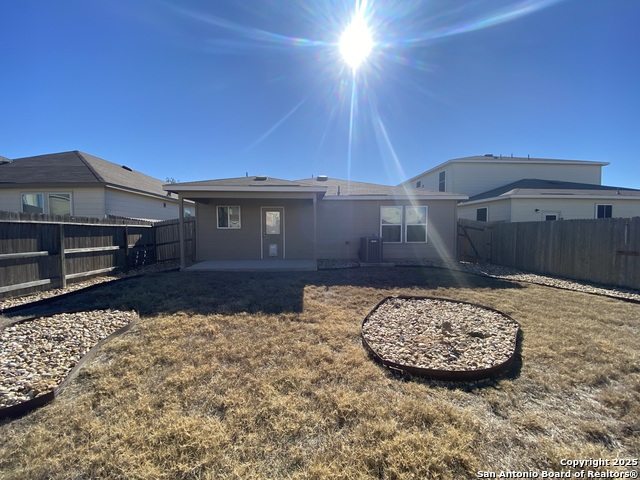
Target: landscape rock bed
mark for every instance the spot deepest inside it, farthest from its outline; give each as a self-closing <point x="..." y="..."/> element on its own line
<point x="440" y="338"/>
<point x="37" y="355"/>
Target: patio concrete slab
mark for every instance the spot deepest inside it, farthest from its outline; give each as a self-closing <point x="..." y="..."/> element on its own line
<point x="253" y="265"/>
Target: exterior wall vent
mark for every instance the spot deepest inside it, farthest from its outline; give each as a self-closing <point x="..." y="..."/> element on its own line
<point x="322" y="178"/>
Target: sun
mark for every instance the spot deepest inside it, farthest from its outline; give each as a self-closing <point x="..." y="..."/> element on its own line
<point x="356" y="43"/>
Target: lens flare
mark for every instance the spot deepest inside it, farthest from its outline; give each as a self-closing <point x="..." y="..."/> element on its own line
<point x="356" y="42"/>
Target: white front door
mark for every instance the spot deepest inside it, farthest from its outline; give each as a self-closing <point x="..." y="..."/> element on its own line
<point x="272" y="233"/>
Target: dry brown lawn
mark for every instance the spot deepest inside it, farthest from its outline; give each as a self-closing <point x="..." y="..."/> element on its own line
<point x="262" y="375"/>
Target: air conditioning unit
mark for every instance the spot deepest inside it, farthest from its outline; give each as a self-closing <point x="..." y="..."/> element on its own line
<point x="371" y="249"/>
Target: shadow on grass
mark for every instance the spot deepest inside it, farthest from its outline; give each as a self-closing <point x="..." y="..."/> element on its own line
<point x="251" y="292"/>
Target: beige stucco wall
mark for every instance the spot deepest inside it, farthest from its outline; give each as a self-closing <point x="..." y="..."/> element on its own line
<point x="86" y="202"/>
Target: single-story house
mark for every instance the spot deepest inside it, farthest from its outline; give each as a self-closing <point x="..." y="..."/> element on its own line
<point x="535" y="199"/>
<point x="262" y="218"/>
<point x="78" y="184"/>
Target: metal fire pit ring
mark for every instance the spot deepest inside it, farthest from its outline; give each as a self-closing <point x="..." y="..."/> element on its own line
<point x="442" y="374"/>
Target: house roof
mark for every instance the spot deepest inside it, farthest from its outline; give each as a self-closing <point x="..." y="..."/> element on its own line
<point x="75" y="169"/>
<point x="532" y="187"/>
<point x="490" y="158"/>
<point x="329" y="188"/>
<point x="350" y="189"/>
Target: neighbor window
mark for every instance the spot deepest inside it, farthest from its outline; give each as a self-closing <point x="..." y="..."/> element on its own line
<point x="416" y="224"/>
<point x="550" y="217"/>
<point x="604" y="211"/>
<point x="391" y="224"/>
<point x="50" y="203"/>
<point x="482" y="214"/>
<point x="229" y="217"/>
<point x="419" y="184"/>
<point x="442" y="182"/>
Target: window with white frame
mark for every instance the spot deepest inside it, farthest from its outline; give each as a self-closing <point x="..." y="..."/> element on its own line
<point x="391" y="224"/>
<point x="403" y="224"/>
<point x="229" y="217"/>
<point x="49" y="203"/>
<point x="415" y="224"/>
<point x="604" y="211"/>
<point x="442" y="181"/>
<point x="419" y="184"/>
<point x="482" y="214"/>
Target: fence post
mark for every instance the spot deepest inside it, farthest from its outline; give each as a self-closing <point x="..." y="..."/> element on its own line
<point x="63" y="266"/>
<point x="126" y="248"/>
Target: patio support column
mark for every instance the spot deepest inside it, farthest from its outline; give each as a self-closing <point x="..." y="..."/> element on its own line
<point x="183" y="262"/>
<point x="315" y="228"/>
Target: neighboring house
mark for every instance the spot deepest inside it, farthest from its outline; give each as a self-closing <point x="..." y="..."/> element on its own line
<point x="528" y="189"/>
<point x="79" y="184"/>
<point x="253" y="218"/>
<point x="533" y="199"/>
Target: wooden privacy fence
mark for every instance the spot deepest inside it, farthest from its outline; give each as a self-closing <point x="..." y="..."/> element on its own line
<point x="41" y="254"/>
<point x="603" y="251"/>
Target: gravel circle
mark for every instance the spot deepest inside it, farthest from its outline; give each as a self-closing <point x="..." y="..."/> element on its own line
<point x="36" y="355"/>
<point x="436" y="334"/>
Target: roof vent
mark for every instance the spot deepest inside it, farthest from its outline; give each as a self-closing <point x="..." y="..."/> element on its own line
<point x="488" y="154"/>
<point x="260" y="178"/>
<point x="127" y="168"/>
<point x="322" y="178"/>
<point x="4" y="160"/>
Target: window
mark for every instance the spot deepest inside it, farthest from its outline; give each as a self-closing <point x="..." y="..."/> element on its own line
<point x="229" y="217"/>
<point x="442" y="182"/>
<point x="550" y="217"/>
<point x="50" y="203"/>
<point x="411" y="220"/>
<point x="419" y="184"/>
<point x="416" y="224"/>
<point x="391" y="224"/>
<point x="604" y="211"/>
<point x="32" y="203"/>
<point x="482" y="214"/>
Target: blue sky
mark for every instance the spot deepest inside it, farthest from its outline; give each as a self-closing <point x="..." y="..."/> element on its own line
<point x="212" y="89"/>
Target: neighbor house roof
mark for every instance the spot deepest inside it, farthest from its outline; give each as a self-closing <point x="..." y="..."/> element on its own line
<point x="351" y="189"/>
<point x="536" y="188"/>
<point x="75" y="169"/>
<point x="329" y="188"/>
<point x="490" y="158"/>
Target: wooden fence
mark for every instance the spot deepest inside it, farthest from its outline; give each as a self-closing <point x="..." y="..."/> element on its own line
<point x="605" y="251"/>
<point x="44" y="252"/>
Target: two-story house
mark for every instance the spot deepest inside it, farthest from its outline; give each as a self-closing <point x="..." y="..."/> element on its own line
<point x="515" y="189"/>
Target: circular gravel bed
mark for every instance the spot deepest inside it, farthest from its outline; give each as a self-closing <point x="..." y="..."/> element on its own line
<point x="37" y="355"/>
<point x="440" y="338"/>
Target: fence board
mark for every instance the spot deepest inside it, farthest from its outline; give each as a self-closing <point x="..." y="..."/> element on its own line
<point x="603" y="251"/>
<point x="39" y="252"/>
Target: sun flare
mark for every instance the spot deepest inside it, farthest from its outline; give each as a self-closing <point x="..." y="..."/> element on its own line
<point x="356" y="43"/>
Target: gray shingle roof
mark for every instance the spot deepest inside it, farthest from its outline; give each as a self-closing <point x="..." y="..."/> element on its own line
<point x="351" y="188"/>
<point x="75" y="168"/>
<point x="533" y="186"/>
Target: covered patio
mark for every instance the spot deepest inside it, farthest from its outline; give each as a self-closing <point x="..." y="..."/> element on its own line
<point x="253" y="265"/>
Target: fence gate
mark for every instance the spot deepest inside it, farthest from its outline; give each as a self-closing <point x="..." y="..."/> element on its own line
<point x="474" y="241"/>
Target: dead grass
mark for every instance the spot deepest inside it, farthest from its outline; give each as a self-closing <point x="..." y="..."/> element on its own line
<point x="263" y="376"/>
